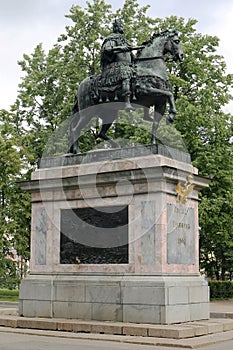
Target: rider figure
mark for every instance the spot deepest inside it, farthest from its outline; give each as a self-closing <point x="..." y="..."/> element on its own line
<point x="116" y="62"/>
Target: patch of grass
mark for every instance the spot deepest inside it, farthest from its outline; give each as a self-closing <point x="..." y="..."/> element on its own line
<point x="9" y="299"/>
<point x="9" y="295"/>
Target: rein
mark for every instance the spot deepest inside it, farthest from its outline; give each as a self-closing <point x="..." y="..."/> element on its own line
<point x="148" y="58"/>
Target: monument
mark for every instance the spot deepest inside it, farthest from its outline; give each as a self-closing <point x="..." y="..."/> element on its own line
<point x="115" y="232"/>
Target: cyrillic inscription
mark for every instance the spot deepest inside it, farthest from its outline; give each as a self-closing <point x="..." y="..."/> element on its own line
<point x="180" y="235"/>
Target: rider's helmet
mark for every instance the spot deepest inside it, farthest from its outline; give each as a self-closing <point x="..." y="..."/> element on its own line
<point x="118" y="26"/>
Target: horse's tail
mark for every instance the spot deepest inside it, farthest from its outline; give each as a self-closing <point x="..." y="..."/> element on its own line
<point x="72" y="125"/>
<point x="83" y="100"/>
<point x="75" y="108"/>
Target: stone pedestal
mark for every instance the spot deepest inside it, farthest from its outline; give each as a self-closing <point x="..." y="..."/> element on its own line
<point x="110" y="241"/>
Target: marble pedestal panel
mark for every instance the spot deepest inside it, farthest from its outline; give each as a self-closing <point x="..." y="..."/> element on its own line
<point x="158" y="281"/>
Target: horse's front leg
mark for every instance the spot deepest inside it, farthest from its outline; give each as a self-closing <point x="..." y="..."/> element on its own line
<point x="158" y="114"/>
<point x="81" y="120"/>
<point x="154" y="130"/>
<point x="172" y="109"/>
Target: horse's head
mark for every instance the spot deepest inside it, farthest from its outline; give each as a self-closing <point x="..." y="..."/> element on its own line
<point x="173" y="45"/>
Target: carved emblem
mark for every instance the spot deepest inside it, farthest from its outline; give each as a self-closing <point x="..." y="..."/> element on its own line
<point x="183" y="191"/>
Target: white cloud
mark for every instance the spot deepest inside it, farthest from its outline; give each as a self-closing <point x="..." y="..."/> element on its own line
<point x="223" y="29"/>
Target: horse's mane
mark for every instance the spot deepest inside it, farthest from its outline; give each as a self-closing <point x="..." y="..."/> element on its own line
<point x="166" y="32"/>
<point x="149" y="41"/>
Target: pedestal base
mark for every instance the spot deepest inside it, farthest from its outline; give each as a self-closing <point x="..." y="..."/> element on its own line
<point x="138" y="299"/>
<point x="111" y="241"/>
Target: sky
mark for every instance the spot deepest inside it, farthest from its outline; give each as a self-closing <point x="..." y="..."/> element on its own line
<point x="26" y="23"/>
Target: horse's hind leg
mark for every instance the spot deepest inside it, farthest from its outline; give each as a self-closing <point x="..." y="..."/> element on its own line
<point x="147" y="114"/>
<point x="83" y="120"/>
<point x="103" y="136"/>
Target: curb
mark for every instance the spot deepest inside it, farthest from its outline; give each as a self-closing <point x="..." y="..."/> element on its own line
<point x="221" y="315"/>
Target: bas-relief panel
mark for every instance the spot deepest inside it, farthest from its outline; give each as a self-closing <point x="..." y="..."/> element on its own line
<point x="41" y="237"/>
<point x="94" y="235"/>
<point x="148" y="217"/>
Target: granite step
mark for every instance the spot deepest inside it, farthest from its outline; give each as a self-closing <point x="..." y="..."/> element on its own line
<point x="176" y="331"/>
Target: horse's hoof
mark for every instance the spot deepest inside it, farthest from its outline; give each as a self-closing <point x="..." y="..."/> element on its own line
<point x="114" y="144"/>
<point x="129" y="108"/>
<point x="148" y="119"/>
<point x="170" y="119"/>
<point x="76" y="151"/>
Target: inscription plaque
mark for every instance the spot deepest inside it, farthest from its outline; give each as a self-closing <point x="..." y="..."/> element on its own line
<point x="94" y="235"/>
<point x="180" y="235"/>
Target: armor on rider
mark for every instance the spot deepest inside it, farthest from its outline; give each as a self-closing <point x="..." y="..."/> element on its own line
<point x="116" y="63"/>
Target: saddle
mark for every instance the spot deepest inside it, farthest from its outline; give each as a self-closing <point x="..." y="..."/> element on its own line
<point x="108" y="85"/>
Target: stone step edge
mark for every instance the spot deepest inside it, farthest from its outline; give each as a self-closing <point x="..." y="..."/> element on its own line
<point x="221" y="314"/>
<point x="175" y="331"/>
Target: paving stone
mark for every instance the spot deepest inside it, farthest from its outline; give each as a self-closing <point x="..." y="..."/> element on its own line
<point x="173" y="331"/>
<point x="212" y="327"/>
<point x="107" y="329"/>
<point x="198" y="329"/>
<point x="24" y="322"/>
<point x="136" y="330"/>
<point x="82" y="327"/>
<point x="226" y="323"/>
<point x="65" y="326"/>
<point x="8" y="321"/>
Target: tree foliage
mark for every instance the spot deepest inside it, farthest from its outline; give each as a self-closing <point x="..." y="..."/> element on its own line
<point x="14" y="207"/>
<point x="45" y="97"/>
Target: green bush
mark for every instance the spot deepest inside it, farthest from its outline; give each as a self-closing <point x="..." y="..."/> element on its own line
<point x="221" y="289"/>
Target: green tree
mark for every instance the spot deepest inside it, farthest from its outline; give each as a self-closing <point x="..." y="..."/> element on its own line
<point x="216" y="206"/>
<point x="200" y="84"/>
<point x="14" y="204"/>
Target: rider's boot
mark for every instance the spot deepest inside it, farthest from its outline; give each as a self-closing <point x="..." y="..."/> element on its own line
<point x="128" y="106"/>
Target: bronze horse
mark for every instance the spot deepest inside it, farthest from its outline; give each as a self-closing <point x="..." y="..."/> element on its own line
<point x="149" y="87"/>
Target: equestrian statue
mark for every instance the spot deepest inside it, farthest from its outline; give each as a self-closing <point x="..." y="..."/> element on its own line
<point x="137" y="81"/>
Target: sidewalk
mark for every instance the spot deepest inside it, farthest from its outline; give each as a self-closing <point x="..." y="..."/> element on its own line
<point x="221" y="309"/>
<point x="186" y="335"/>
<point x="8" y="308"/>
